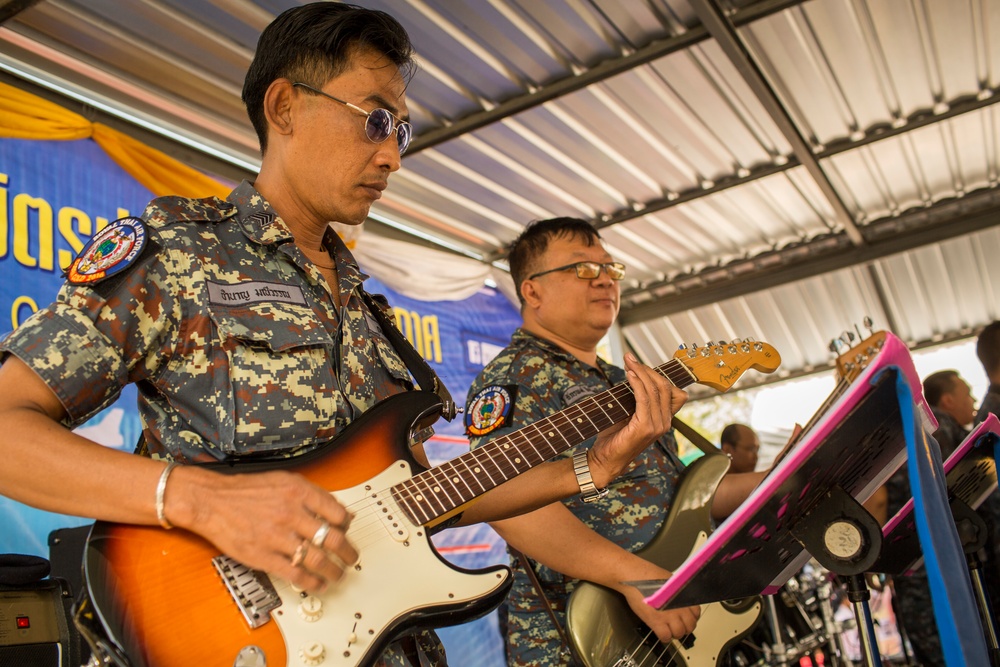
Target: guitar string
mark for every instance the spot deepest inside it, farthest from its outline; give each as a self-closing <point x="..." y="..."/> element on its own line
<point x="617" y="392"/>
<point x="368" y="529"/>
<point x="367" y="523"/>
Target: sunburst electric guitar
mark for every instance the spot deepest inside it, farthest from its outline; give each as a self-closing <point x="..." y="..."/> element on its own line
<point x="170" y="599"/>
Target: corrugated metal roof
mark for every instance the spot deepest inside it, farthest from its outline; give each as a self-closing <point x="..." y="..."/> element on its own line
<point x="771" y="169"/>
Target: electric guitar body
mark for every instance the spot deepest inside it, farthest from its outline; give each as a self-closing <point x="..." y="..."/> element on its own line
<point x="168" y="601"/>
<point x="602" y="627"/>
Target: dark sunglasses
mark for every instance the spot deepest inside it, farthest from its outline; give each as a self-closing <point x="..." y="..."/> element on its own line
<point x="379" y="124"/>
<point x="589" y="270"/>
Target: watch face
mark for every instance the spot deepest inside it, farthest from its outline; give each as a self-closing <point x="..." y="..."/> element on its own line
<point x="842" y="539"/>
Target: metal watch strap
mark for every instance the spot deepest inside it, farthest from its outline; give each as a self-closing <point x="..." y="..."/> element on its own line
<point x="581" y="466"/>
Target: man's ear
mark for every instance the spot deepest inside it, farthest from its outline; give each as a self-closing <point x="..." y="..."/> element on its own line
<point x="278" y="106"/>
<point x="530" y="293"/>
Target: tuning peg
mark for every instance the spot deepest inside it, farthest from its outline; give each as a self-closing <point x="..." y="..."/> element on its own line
<point x="682" y="346"/>
<point x="869" y="324"/>
<point x="835" y="345"/>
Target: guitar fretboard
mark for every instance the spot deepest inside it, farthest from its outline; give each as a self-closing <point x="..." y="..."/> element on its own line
<point x="436" y="492"/>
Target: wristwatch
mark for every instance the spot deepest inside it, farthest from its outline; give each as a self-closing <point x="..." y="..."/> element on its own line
<point x="581" y="466"/>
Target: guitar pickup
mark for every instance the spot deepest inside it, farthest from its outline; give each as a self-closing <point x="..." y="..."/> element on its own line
<point x="252" y="590"/>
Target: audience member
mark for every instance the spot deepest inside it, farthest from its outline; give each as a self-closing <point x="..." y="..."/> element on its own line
<point x="742" y="445"/>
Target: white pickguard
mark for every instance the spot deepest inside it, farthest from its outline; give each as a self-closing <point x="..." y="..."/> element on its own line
<point x="399" y="574"/>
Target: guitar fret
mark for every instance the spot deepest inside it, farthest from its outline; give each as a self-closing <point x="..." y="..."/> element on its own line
<point x="473" y="475"/>
<point x="443" y="478"/>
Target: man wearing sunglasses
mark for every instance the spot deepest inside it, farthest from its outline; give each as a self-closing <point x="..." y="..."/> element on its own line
<point x="243" y="323"/>
<point x="569" y="288"/>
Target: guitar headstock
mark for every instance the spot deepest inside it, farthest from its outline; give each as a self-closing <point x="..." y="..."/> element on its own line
<point x="720" y="365"/>
<point x="850" y="363"/>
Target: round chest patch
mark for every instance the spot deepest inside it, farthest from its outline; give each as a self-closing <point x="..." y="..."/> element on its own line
<point x="110" y="251"/>
<point x="489" y="410"/>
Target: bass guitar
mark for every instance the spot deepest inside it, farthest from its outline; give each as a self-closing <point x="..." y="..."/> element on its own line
<point x="604" y="630"/>
<point x="170" y="599"/>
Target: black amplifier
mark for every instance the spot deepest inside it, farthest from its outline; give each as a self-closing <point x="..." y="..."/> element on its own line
<point x="34" y="630"/>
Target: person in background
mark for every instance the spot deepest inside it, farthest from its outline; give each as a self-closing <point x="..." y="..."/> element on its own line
<point x="988" y="351"/>
<point x="245" y="325"/>
<point x="568" y="285"/>
<point x="742" y="445"/>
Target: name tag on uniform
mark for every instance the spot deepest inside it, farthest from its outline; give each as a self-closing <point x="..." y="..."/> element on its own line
<point x="254" y="291"/>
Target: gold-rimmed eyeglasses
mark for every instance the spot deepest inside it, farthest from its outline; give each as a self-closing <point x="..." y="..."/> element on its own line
<point x="589" y="270"/>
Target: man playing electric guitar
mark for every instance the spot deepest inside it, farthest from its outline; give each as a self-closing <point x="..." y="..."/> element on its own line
<point x="568" y="285"/>
<point x="245" y="326"/>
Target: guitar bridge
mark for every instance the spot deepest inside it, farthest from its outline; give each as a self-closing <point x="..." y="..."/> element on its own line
<point x="252" y="590"/>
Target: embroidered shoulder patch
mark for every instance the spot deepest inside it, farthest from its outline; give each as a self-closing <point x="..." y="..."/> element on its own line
<point x="490" y="409"/>
<point x="110" y="251"/>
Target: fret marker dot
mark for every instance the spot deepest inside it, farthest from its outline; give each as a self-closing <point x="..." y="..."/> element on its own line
<point x="454" y="480"/>
<point x="419" y="497"/>
<point x="609" y="405"/>
<point x="477" y="469"/>
<point x="551" y="433"/>
<point x="517" y="460"/>
<point x="437" y="489"/>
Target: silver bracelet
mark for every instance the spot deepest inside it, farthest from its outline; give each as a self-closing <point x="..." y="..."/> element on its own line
<point x="588" y="490"/>
<point x="161" y="489"/>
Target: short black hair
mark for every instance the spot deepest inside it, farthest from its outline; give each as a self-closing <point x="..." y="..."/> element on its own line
<point x="988" y="348"/>
<point x="936" y="385"/>
<point x="523" y="253"/>
<point x="314" y="43"/>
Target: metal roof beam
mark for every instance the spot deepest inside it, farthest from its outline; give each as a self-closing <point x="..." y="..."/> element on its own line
<point x="872" y="135"/>
<point x="724" y="32"/>
<point x="888" y="236"/>
<point x="609" y="68"/>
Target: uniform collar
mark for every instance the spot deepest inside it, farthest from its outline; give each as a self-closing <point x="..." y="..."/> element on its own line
<point x="264" y="226"/>
<point x="256" y="217"/>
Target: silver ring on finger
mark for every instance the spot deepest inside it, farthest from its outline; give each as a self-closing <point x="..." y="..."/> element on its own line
<point x="320" y="535"/>
<point x="300" y="553"/>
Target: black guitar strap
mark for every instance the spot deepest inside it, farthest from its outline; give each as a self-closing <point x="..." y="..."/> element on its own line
<point x="425" y="376"/>
<point x="574" y="657"/>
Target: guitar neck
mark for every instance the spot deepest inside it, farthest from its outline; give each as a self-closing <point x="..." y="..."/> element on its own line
<point x="439" y="491"/>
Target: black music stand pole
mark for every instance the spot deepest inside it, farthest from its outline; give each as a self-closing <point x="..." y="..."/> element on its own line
<point x="779" y="658"/>
<point x="840" y="533"/>
<point x="973" y="533"/>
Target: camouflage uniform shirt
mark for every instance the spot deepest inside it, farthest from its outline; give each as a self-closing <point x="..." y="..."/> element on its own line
<point x="231" y="335"/>
<point x="990" y="404"/>
<point x="548" y="379"/>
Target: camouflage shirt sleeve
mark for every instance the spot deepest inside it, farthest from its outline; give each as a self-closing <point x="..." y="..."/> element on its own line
<point x="231" y="335"/>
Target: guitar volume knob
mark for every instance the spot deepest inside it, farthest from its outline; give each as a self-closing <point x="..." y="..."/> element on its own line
<point x="312" y="653"/>
<point x="310" y="609"/>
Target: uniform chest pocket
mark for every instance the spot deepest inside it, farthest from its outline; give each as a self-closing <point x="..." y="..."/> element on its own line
<point x="282" y="387"/>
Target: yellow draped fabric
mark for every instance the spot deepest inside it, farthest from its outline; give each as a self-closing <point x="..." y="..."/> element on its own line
<point x="27" y="116"/>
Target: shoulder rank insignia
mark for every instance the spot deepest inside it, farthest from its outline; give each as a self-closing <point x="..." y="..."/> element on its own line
<point x="110" y="251"/>
<point x="490" y="409"/>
